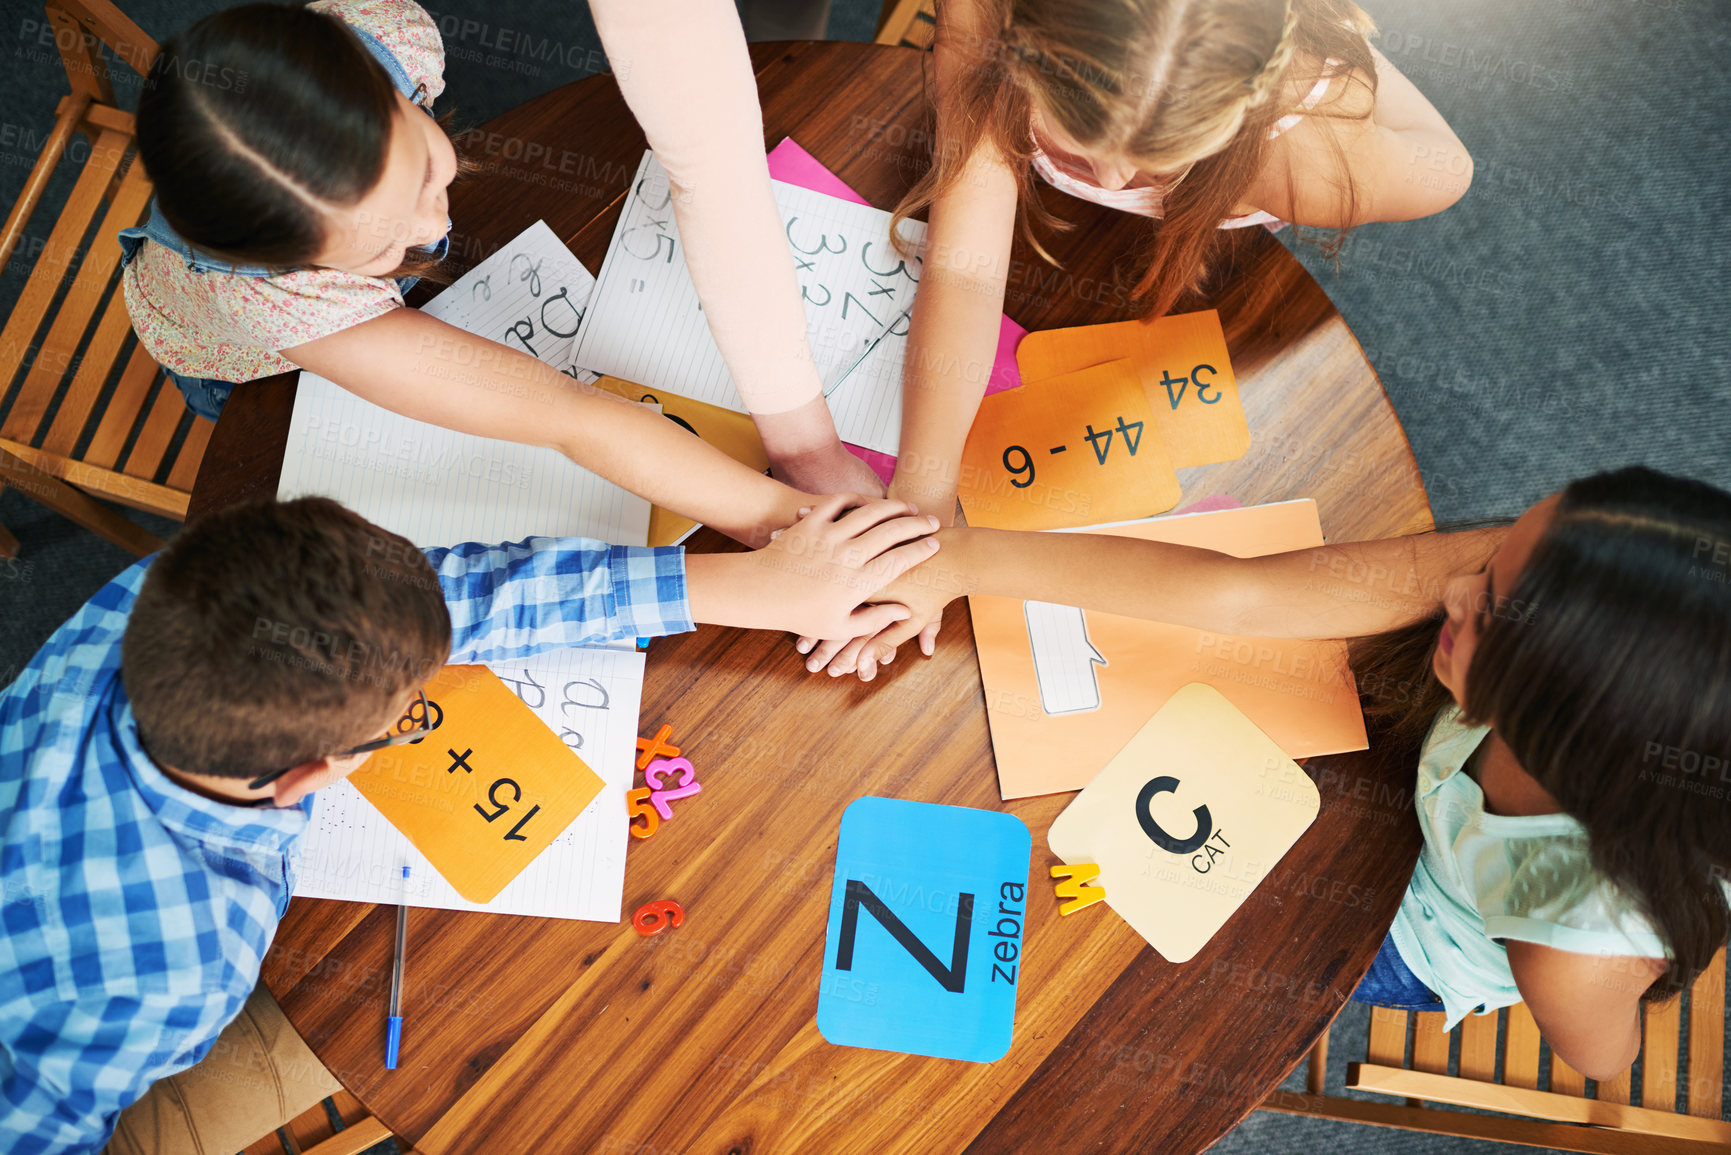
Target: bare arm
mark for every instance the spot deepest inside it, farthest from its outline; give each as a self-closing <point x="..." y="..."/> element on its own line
<point x="953" y="334"/>
<point x="1403" y="159"/>
<point x="420" y="367"/>
<point x="1586" y="1006"/>
<point x="1333" y="591"/>
<point x="683" y="68"/>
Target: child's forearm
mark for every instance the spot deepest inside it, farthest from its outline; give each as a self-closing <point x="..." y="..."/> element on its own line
<point x="1333" y="591"/>
<point x="420" y="367"/>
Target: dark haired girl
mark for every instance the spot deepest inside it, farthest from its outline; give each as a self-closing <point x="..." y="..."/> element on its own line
<point x="299" y="174"/>
<point x="1574" y="786"/>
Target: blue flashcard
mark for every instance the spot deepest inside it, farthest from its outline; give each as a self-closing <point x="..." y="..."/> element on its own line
<point x="925" y="930"/>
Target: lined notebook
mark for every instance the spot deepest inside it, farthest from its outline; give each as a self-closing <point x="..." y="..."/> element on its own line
<point x="645" y="324"/>
<point x="439" y="487"/>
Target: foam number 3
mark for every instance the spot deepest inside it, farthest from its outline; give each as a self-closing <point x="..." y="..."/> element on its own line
<point x="659" y="794"/>
<point x="516" y="796"/>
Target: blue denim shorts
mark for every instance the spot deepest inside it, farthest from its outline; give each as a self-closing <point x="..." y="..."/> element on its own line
<point x="204" y="396"/>
<point x="1391" y="983"/>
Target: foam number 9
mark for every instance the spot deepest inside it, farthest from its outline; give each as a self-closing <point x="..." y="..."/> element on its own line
<point x="1027" y="466"/>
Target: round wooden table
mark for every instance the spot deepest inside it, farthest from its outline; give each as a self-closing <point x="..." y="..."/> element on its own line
<point x="543" y="1035"/>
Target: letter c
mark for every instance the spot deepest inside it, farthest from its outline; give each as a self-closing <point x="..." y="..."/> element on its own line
<point x="1165" y="784"/>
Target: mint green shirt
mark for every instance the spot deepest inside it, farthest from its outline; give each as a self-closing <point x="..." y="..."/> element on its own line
<point x="1486" y="878"/>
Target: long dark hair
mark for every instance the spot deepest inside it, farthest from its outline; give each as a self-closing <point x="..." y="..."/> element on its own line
<point x="254" y="118"/>
<point x="1092" y="65"/>
<point x="1612" y="687"/>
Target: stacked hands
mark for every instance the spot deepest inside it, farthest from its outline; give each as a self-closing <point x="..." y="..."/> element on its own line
<point x="842" y="581"/>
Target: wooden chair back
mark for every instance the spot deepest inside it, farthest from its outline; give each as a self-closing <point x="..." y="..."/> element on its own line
<point x="84" y="410"/>
<point x="1499" y="1063"/>
<point x="315" y="1132"/>
<point x="909" y="23"/>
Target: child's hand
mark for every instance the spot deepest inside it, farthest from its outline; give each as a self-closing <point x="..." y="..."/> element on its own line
<point x="815" y="575"/>
<point x="924" y="591"/>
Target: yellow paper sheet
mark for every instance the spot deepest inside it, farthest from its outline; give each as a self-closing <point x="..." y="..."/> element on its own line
<point x="486" y="791"/>
<point x="1100" y="677"/>
<point x="735" y="434"/>
<point x="1075" y="449"/>
<point x="1187" y="819"/>
<point x="1182" y="365"/>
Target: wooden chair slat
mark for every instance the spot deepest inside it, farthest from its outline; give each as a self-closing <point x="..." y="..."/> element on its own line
<point x="66" y="121"/>
<point x="1565" y="1080"/>
<point x="353" y="1140"/>
<point x="1387" y="1037"/>
<point x="911" y="23"/>
<point x="1521" y="1048"/>
<point x="114" y="28"/>
<point x="1659" y="1037"/>
<point x="85" y="66"/>
<point x="26" y="477"/>
<point x="101" y="116"/>
<point x="265" y="1145"/>
<point x="121" y="412"/>
<point x="1479" y="1047"/>
<point x="94" y="275"/>
<point x="348" y="1107"/>
<point x="158" y="431"/>
<point x="310" y="1128"/>
<point x="39" y="289"/>
<point x="1618" y="1090"/>
<point x="1706" y="1069"/>
<point x="1493" y="1128"/>
<point x="133" y="491"/>
<point x="1430" y="1043"/>
<point x="1535" y="1104"/>
<point x="191" y="455"/>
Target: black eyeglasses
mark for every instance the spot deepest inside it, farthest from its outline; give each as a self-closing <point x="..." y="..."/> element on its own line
<point x="408" y="730"/>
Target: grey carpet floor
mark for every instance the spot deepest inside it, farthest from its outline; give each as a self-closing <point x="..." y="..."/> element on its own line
<point x="1571" y="314"/>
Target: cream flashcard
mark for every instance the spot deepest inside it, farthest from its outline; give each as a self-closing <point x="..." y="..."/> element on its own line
<point x="1187" y="819"/>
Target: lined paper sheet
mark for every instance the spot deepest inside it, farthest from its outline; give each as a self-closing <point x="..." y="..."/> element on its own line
<point x="645" y="324"/>
<point x="587" y="696"/>
<point x="439" y="487"/>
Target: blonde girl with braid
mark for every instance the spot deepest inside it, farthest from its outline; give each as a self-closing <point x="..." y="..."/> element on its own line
<point x="1207" y="116"/>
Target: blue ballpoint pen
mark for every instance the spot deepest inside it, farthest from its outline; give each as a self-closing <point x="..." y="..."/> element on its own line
<point x="394" y="1025"/>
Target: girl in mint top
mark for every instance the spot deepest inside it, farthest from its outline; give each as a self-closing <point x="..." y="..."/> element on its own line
<point x="1571" y="675"/>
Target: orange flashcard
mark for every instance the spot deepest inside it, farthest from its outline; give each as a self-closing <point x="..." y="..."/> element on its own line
<point x="1184" y="370"/>
<point x="486" y="791"/>
<point x="1066" y="689"/>
<point x="1073" y="450"/>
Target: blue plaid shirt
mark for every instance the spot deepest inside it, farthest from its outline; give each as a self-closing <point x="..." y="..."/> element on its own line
<point x="134" y="914"/>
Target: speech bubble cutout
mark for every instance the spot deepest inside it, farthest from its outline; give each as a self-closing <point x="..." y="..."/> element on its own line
<point x="1064" y="658"/>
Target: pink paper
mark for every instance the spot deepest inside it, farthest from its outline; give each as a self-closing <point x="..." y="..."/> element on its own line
<point x="791" y="164"/>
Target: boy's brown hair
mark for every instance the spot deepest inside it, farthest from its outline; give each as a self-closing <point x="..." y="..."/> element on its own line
<point x="275" y="633"/>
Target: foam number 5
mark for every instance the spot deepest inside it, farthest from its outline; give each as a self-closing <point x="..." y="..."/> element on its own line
<point x="637" y="804"/>
<point x="660" y="795"/>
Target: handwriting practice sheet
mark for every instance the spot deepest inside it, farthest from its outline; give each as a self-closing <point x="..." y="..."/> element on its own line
<point x="590" y="699"/>
<point x="436" y="486"/>
<point x="645" y="324"/>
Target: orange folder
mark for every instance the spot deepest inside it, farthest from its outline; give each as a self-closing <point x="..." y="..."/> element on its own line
<point x="1066" y="689"/>
<point x="1076" y="449"/>
<point x="1183" y="368"/>
<point x="489" y="789"/>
